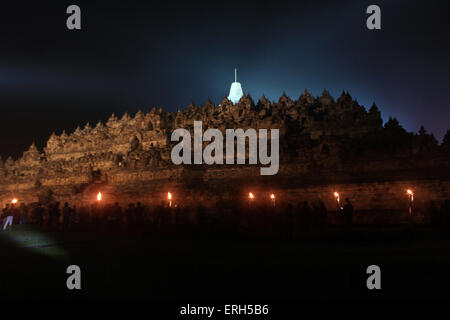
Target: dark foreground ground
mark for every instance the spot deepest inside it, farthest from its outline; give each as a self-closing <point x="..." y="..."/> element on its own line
<point x="415" y="264"/>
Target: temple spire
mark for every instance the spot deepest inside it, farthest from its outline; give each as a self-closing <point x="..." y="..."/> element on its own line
<point x="235" y="75"/>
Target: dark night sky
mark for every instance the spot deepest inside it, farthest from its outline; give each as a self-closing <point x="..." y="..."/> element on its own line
<point x="136" y="55"/>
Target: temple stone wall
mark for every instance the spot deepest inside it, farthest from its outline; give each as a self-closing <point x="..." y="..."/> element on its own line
<point x="189" y="189"/>
<point x="326" y="145"/>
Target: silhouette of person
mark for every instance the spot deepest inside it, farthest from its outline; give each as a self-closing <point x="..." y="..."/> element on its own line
<point x="9" y="216"/>
<point x="322" y="214"/>
<point x="348" y="213"/>
<point x="130" y="215"/>
<point x="139" y="214"/>
<point x="116" y="214"/>
<point x="75" y="218"/>
<point x="305" y="217"/>
<point x="66" y="212"/>
<point x="289" y="222"/>
<point x="5" y="212"/>
<point x="56" y="214"/>
<point x="38" y="214"/>
<point x="23" y="212"/>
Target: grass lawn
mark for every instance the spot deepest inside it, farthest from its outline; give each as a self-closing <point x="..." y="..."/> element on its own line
<point x="33" y="265"/>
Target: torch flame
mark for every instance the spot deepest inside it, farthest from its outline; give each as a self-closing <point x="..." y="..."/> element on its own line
<point x="169" y="196"/>
<point x="272" y="196"/>
<point x="337" y="197"/>
<point x="410" y="193"/>
<point x="99" y="196"/>
<point x="251" y="196"/>
<point x="14" y="201"/>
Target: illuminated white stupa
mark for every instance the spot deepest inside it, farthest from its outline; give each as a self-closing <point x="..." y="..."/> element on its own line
<point x="235" y="90"/>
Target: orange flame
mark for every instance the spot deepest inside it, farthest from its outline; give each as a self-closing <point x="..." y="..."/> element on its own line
<point x="169" y="196"/>
<point x="14" y="201"/>
<point x="272" y="196"/>
<point x="337" y="197"/>
<point x="410" y="193"/>
<point x="99" y="196"/>
<point x="251" y="196"/>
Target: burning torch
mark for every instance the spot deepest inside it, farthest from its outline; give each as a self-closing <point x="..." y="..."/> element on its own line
<point x="337" y="197"/>
<point x="251" y="198"/>
<point x="169" y="198"/>
<point x="99" y="196"/>
<point x="272" y="197"/>
<point x="410" y="194"/>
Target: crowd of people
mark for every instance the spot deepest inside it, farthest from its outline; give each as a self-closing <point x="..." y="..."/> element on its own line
<point x="289" y="220"/>
<point x="53" y="216"/>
